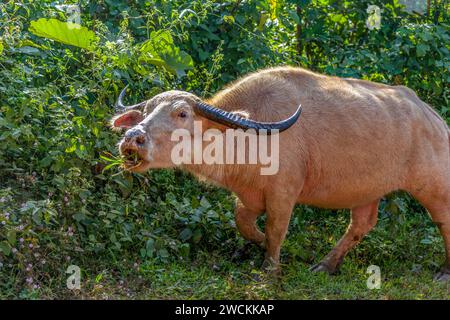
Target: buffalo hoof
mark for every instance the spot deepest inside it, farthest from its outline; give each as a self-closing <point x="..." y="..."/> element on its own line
<point x="271" y="268"/>
<point x="322" y="267"/>
<point x="443" y="275"/>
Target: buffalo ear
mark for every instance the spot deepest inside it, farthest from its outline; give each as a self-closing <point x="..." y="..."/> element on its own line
<point x="127" y="120"/>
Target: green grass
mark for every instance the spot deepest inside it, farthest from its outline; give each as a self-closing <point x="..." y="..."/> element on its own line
<point x="214" y="277"/>
<point x="407" y="265"/>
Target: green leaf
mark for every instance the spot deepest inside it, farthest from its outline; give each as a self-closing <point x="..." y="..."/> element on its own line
<point x="294" y="16"/>
<point x="29" y="43"/>
<point x="337" y="18"/>
<point x="79" y="216"/>
<point x="11" y="236"/>
<point x="204" y="203"/>
<point x="422" y="49"/>
<point x="262" y="21"/>
<point x="71" y="149"/>
<point x="163" y="253"/>
<point x="426" y="36"/>
<point x="186" y="234"/>
<point x="160" y="51"/>
<point x="184" y="249"/>
<point x="197" y="235"/>
<point x="5" y="248"/>
<point x="426" y="241"/>
<point x="65" y="32"/>
<point x="98" y="278"/>
<point x="109" y="166"/>
<point x="28" y="50"/>
<point x="228" y="19"/>
<point x="150" y="247"/>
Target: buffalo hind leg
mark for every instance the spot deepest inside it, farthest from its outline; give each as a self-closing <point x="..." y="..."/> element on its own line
<point x="363" y="219"/>
<point x="437" y="202"/>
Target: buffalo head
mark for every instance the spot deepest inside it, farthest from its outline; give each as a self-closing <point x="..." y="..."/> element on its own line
<point x="149" y="125"/>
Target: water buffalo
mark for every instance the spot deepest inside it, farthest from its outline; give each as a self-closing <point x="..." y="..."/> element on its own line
<point x="354" y="142"/>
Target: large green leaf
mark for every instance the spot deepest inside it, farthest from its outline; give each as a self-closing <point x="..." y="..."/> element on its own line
<point x="65" y="32"/>
<point x="160" y="51"/>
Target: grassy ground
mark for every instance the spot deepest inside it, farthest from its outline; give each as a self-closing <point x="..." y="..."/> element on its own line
<point x="220" y="279"/>
<point x="408" y="255"/>
<point x="215" y="277"/>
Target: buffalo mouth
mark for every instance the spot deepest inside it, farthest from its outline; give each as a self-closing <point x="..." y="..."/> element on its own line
<point x="133" y="160"/>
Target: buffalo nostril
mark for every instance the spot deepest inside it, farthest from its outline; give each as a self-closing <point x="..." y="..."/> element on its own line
<point x="140" y="140"/>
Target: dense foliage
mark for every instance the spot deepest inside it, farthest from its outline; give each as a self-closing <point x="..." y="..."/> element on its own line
<point x="58" y="204"/>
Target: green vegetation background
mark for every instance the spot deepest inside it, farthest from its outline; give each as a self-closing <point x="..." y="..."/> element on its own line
<point x="163" y="234"/>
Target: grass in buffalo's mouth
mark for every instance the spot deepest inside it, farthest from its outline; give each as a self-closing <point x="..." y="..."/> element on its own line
<point x="127" y="161"/>
<point x="131" y="160"/>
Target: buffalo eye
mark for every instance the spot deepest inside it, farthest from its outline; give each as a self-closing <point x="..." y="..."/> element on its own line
<point x="182" y="114"/>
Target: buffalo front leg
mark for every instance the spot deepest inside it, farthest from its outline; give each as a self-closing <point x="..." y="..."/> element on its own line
<point x="278" y="216"/>
<point x="246" y="223"/>
<point x="363" y="219"/>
